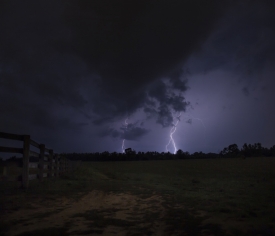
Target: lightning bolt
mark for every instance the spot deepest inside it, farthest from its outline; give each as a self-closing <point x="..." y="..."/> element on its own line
<point x="172" y="131"/>
<point x="123" y="141"/>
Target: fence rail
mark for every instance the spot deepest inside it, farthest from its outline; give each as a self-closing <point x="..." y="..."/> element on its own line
<point x="49" y="163"/>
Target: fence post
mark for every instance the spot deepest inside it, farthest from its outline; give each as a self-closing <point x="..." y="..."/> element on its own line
<point x="51" y="162"/>
<point x="26" y="158"/>
<point x="41" y="161"/>
<point x="56" y="165"/>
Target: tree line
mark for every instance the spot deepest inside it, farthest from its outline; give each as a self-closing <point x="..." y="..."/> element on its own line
<point x="232" y="151"/>
<point x="247" y="150"/>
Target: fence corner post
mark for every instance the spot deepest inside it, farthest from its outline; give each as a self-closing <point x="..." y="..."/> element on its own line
<point x="41" y="161"/>
<point x="26" y="158"/>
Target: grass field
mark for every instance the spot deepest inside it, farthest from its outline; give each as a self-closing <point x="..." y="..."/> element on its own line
<point x="179" y="197"/>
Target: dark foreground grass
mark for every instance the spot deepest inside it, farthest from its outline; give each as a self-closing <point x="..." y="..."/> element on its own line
<point x="213" y="197"/>
<point x="234" y="194"/>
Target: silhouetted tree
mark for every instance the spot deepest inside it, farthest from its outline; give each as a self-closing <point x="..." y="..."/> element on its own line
<point x="230" y="151"/>
<point x="233" y="149"/>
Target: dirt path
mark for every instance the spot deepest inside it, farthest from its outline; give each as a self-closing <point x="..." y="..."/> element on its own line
<point x="95" y="213"/>
<point x="101" y="213"/>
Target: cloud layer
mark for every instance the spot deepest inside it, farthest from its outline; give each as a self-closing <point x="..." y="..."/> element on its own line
<point x="100" y="58"/>
<point x="79" y="68"/>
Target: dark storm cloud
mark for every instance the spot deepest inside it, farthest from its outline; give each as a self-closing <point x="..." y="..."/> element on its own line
<point x="130" y="44"/>
<point x="98" y="59"/>
<point x="110" y="132"/>
<point x="245" y="91"/>
<point x="165" y="97"/>
<point x="189" y="121"/>
<point x="130" y="40"/>
<point x="38" y="86"/>
<point x="132" y="132"/>
<point x="244" y="41"/>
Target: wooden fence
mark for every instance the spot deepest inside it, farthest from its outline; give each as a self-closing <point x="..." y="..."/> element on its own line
<point x="49" y="164"/>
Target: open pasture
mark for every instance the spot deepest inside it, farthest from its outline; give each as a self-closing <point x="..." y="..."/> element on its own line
<point x="177" y="197"/>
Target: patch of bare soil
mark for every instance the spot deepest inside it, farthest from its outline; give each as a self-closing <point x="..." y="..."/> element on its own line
<point x="95" y="213"/>
<point x="101" y="213"/>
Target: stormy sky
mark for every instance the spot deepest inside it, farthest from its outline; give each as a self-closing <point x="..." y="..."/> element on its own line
<point x="82" y="76"/>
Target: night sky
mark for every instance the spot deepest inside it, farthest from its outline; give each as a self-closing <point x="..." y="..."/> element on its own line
<point x="82" y="76"/>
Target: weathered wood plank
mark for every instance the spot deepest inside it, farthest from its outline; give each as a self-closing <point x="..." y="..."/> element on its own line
<point x="33" y="143"/>
<point x="41" y="161"/>
<point x="11" y="136"/>
<point x="53" y="163"/>
<point x="11" y="149"/>
<point x="34" y="154"/>
<point x="33" y="164"/>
